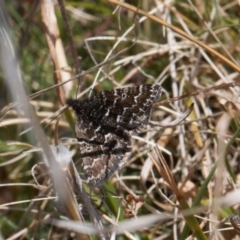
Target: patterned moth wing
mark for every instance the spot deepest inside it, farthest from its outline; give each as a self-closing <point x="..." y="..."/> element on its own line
<point x="127" y="108"/>
<point x="104" y="125"/>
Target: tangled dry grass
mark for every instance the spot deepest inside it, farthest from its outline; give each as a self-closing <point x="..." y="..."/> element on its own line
<point x="180" y="182"/>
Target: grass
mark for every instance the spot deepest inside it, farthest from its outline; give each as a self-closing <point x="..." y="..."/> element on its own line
<point x="181" y="182"/>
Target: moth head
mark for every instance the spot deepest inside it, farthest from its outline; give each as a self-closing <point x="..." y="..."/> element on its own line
<point x="74" y="104"/>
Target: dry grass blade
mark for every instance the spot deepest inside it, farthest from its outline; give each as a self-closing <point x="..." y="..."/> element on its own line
<point x="167" y="176"/>
<point x="201" y="91"/>
<point x="62" y="71"/>
<point x="177" y="30"/>
<point x="176" y="121"/>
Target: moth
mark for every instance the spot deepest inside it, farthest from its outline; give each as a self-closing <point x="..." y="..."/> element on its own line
<point x="104" y="126"/>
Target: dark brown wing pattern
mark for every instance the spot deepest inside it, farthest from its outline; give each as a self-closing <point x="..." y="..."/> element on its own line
<point x="104" y="125"/>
